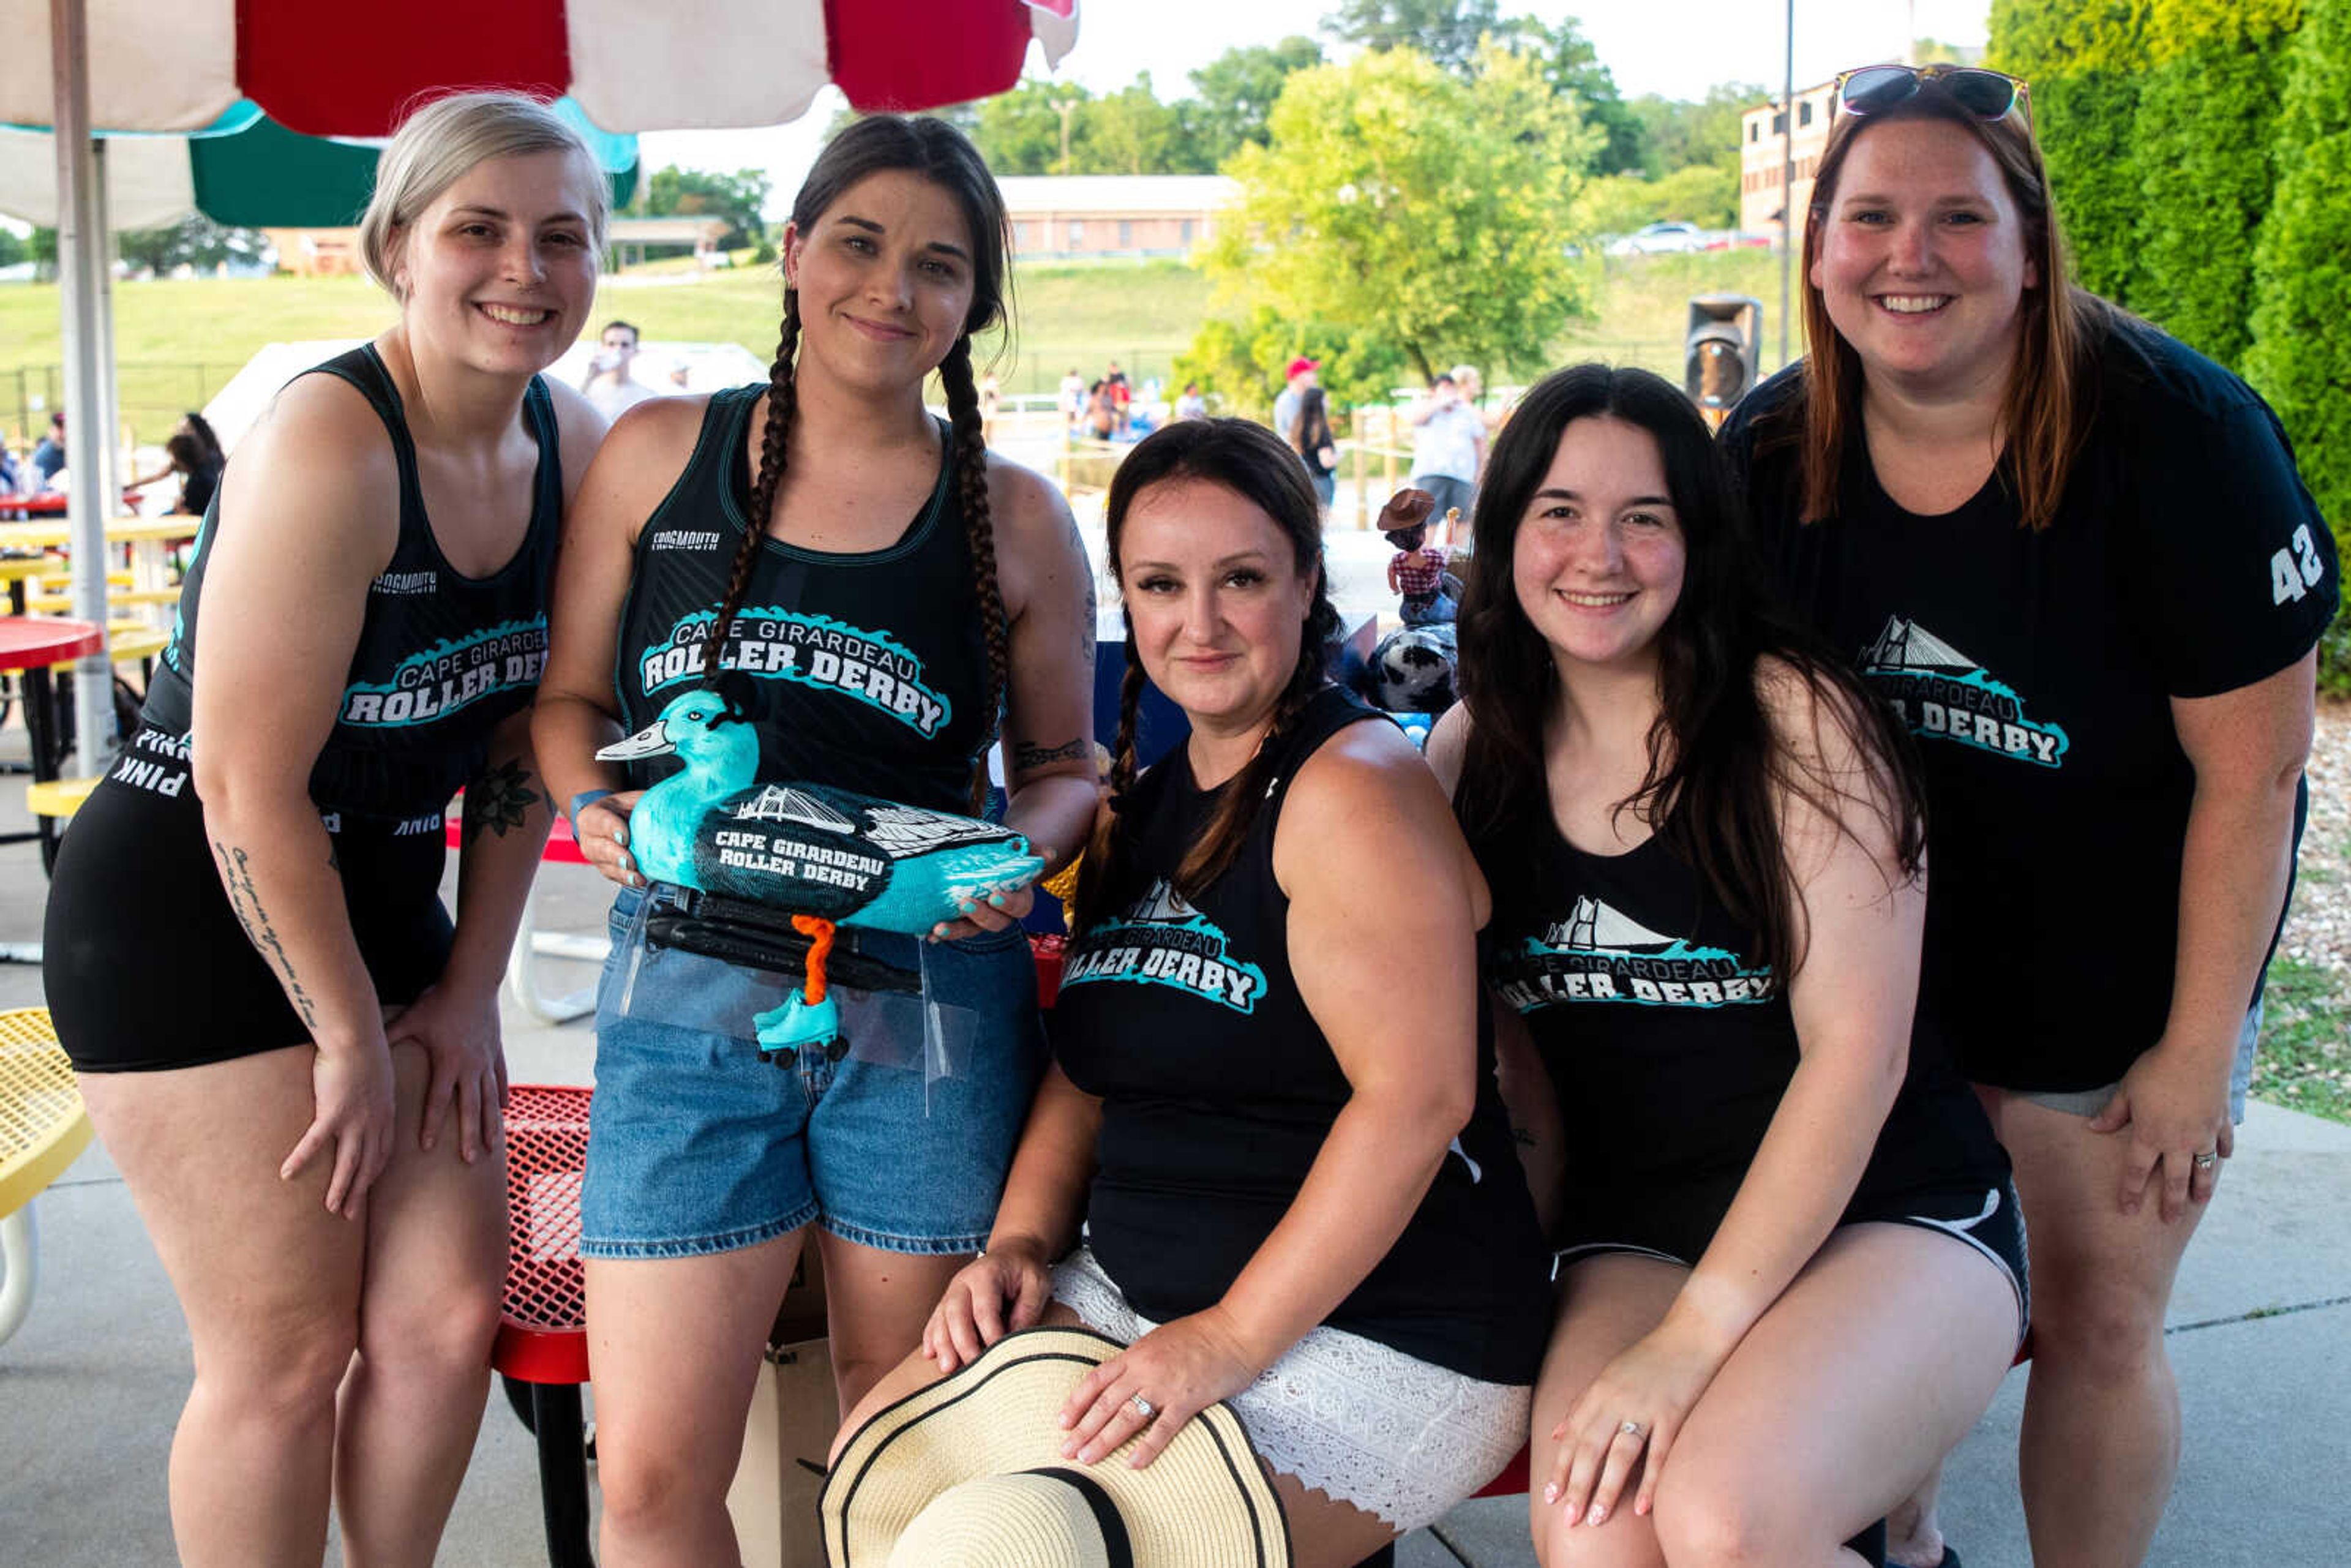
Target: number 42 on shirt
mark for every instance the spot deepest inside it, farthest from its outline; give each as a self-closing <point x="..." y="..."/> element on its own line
<point x="2296" y="571"/>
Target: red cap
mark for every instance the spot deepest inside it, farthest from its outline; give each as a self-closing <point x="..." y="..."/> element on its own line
<point x="1301" y="364"/>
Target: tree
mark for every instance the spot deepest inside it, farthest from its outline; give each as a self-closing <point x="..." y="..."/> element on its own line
<point x="1430" y="212"/>
<point x="2086" y="60"/>
<point x="194" y="241"/>
<point x="1572" y="68"/>
<point x="1676" y="133"/>
<point x="2206" y="114"/>
<point x="2302" y="333"/>
<point x="1130" y="131"/>
<point x="11" y="250"/>
<point x="1234" y="93"/>
<point x="1019" y="132"/>
<point x="1444" y="31"/>
<point x="1240" y="362"/>
<point x="739" y="198"/>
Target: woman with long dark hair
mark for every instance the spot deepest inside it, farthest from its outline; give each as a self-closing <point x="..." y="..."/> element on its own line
<point x="890" y="591"/>
<point x="1311" y="437"/>
<point x="1285" y="1144"/>
<point x="1704" y="845"/>
<point x="2074" y="556"/>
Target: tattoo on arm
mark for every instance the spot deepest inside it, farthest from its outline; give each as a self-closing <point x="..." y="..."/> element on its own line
<point x="237" y="876"/>
<point x="1026" y="756"/>
<point x="1085" y="631"/>
<point x="1524" y="1137"/>
<point x="498" y="801"/>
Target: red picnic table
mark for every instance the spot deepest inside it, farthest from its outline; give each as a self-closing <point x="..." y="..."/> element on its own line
<point x="30" y="644"/>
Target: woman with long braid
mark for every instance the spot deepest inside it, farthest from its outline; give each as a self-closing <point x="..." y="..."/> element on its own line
<point x="1299" y="1188"/>
<point x="765" y="534"/>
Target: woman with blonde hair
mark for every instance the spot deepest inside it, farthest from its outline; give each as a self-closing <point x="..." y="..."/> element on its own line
<point x="2075" y="557"/>
<point x="291" y="1053"/>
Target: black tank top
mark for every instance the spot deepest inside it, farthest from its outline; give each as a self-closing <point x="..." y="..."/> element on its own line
<point x="1668" y="1044"/>
<point x="442" y="657"/>
<point x="1218" y="1090"/>
<point x="872" y="667"/>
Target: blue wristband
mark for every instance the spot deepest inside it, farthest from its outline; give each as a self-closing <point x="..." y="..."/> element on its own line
<point x="580" y="802"/>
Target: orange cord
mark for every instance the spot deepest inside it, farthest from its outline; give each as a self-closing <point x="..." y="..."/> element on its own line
<point x="819" y="935"/>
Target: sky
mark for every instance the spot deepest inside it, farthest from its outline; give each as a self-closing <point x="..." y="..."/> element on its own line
<point x="1677" y="48"/>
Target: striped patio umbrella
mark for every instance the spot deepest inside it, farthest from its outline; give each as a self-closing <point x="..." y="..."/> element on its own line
<point x="325" y="69"/>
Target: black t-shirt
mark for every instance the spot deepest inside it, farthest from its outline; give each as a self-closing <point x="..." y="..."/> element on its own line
<point x="872" y="666"/>
<point x="1218" y="1090"/>
<point x="2037" y="669"/>
<point x="1669" y="1044"/>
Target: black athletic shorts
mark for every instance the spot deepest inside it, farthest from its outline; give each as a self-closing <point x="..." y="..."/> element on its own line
<point x="146" y="965"/>
<point x="1678" y="1224"/>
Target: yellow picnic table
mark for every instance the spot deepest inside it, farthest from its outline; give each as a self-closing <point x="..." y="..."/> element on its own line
<point x="42" y="1129"/>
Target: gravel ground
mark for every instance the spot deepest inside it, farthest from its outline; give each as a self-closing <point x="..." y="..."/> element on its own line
<point x="2318" y="929"/>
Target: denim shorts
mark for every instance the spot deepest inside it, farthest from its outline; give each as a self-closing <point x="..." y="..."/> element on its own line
<point x="696" y="1146"/>
<point x="2090" y="1102"/>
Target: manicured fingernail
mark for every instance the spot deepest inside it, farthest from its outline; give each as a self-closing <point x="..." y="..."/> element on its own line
<point x="1550" y="1493"/>
<point x="620" y="835"/>
<point x="997" y="899"/>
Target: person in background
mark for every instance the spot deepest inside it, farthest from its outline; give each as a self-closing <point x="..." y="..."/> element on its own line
<point x="609" y="384"/>
<point x="1122" y="394"/>
<point x="1448" y="445"/>
<point x="1190" y="404"/>
<point x="991" y="403"/>
<point x="199" y="471"/>
<point x="1302" y="375"/>
<point x="1075" y="392"/>
<point x="1311" y="437"/>
<point x="290" y="1049"/>
<point x="49" y="452"/>
<point x="2075" y="558"/>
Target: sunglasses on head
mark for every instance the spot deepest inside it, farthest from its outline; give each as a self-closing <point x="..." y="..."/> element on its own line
<point x="1988" y="95"/>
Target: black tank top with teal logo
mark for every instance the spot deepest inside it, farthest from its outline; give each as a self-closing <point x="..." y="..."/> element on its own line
<point x="1218" y="1090"/>
<point x="1668" y="1042"/>
<point x="872" y="667"/>
<point x="442" y="657"/>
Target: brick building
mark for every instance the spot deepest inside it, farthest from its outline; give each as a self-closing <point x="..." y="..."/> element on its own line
<point x="1061" y="217"/>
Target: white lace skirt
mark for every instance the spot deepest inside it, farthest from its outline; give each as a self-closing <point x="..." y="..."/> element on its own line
<point x="1348" y="1417"/>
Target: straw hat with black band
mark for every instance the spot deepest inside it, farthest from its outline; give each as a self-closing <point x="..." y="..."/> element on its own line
<point x="968" y="1473"/>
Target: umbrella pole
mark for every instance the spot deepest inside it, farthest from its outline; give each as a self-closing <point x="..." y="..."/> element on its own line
<point x="82" y="276"/>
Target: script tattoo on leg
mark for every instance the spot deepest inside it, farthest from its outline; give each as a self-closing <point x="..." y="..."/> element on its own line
<point x="237" y="876"/>
<point x="499" y="801"/>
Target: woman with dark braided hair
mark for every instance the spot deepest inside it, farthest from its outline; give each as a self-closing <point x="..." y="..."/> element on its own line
<point x="1272" y="1100"/>
<point x="765" y="533"/>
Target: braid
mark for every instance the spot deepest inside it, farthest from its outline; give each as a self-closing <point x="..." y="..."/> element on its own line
<point x="782" y="404"/>
<point x="1096" y="868"/>
<point x="1221" y="841"/>
<point x="980" y="524"/>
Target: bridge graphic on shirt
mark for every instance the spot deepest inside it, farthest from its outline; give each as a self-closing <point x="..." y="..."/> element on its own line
<point x="1940" y="692"/>
<point x="1160" y="939"/>
<point x="1598" y="954"/>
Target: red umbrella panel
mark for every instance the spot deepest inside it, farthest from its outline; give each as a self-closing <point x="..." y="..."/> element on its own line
<point x="349" y="71"/>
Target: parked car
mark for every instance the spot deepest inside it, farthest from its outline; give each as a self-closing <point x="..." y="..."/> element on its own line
<point x="1739" y="240"/>
<point x="1670" y="236"/>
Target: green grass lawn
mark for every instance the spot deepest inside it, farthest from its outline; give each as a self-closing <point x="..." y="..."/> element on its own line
<point x="2304" y="1063"/>
<point x="177" y="340"/>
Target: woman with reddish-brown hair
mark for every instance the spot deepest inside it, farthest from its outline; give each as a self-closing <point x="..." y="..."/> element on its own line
<point x="2076" y="558"/>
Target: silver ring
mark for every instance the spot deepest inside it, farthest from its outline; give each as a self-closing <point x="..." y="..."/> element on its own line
<point x="1630" y="1428"/>
<point x="1144" y="1408"/>
<point x="2206" y="1161"/>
